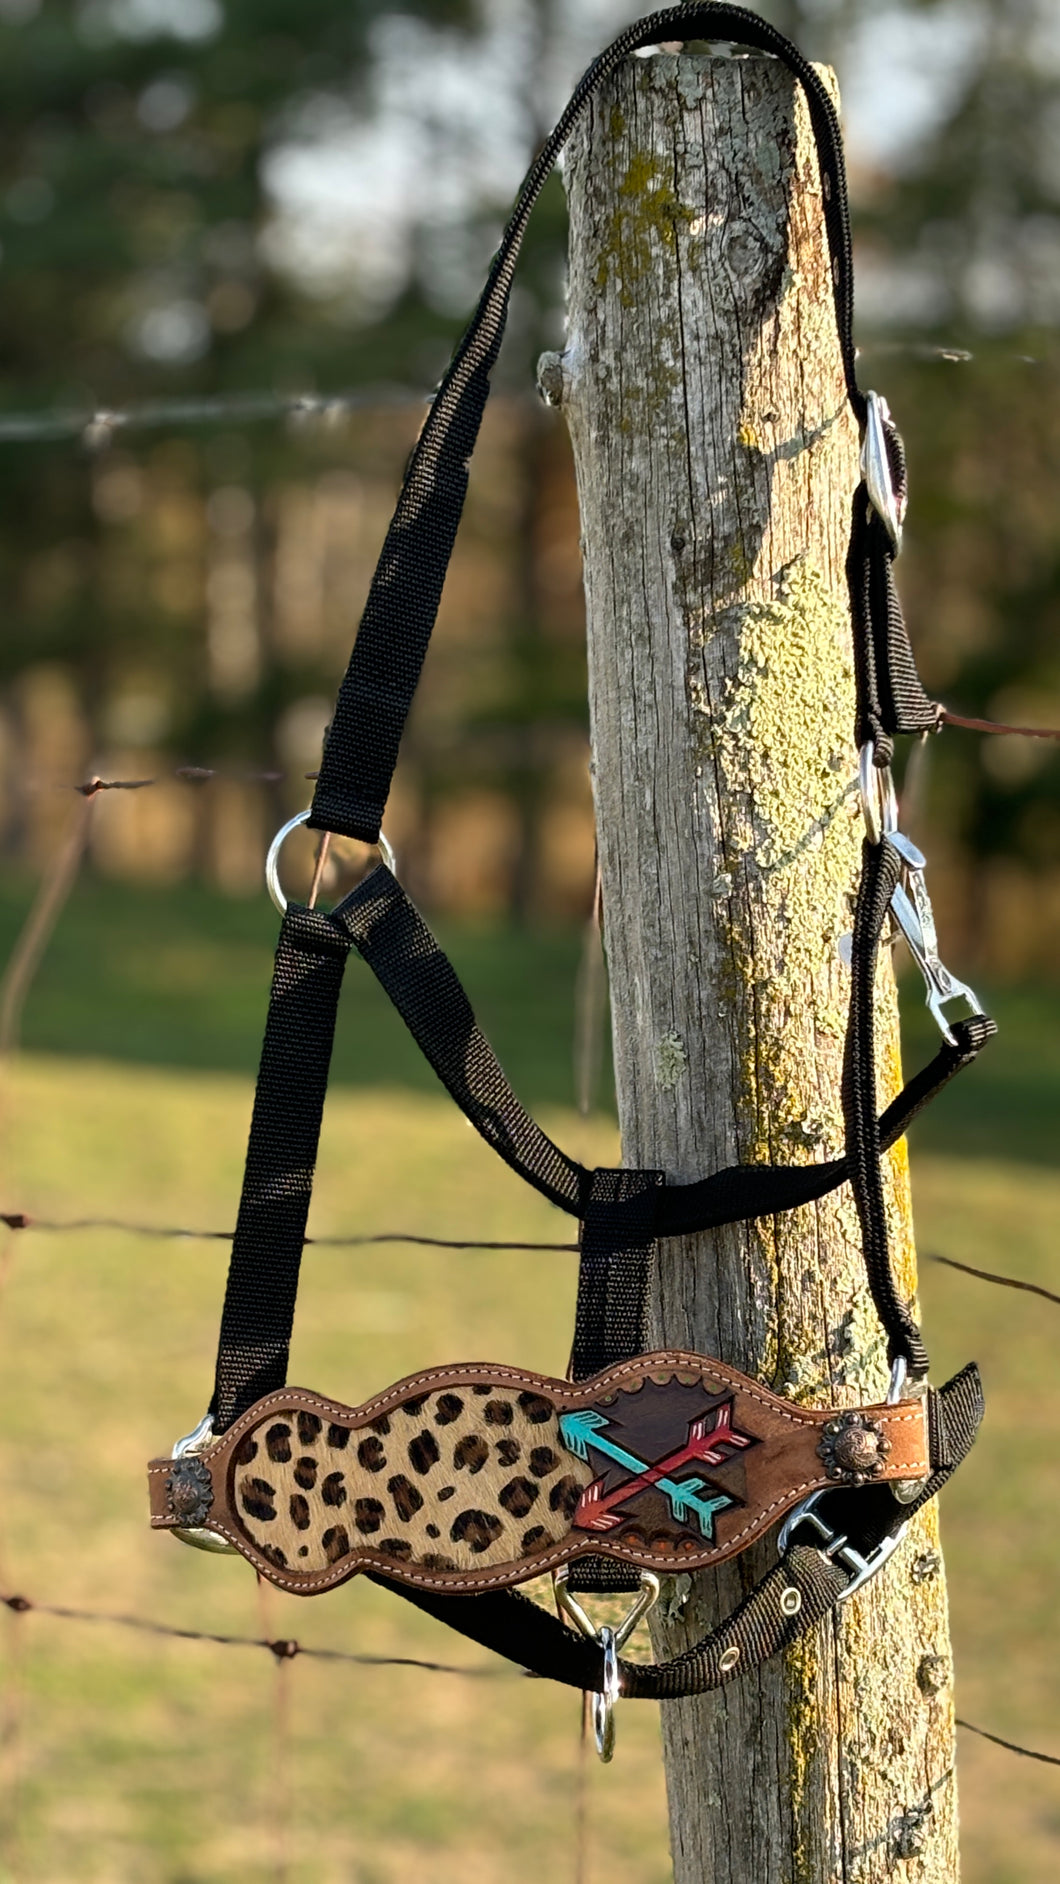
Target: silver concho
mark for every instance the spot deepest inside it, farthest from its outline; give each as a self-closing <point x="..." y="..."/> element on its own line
<point x="853" y="1448"/>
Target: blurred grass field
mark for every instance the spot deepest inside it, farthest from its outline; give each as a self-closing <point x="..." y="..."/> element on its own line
<point x="133" y="1760"/>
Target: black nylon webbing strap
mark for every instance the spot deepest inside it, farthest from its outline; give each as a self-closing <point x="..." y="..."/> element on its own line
<point x="514" y="1626"/>
<point x="627" y="1210"/>
<point x="281" y="1155"/>
<point x="610" y="1322"/>
<point x="394" y="940"/>
<point x="745" y="1191"/>
<point x="373" y="704"/>
<point x="890" y="694"/>
<point x="398" y="947"/>
<point x="614" y="1277"/>
<point x="881" y="868"/>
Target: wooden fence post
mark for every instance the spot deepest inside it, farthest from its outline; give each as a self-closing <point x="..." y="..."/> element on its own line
<point x="716" y="460"/>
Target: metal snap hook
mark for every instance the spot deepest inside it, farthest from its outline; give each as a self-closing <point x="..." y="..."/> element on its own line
<point x="876" y="467"/>
<point x="610" y="1640"/>
<point x="272" y="860"/>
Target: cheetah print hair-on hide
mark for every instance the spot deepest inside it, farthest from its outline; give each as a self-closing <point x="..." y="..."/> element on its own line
<point x="448" y="1481"/>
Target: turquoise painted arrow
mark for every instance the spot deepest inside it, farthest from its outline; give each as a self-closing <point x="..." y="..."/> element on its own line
<point x="585" y="1428"/>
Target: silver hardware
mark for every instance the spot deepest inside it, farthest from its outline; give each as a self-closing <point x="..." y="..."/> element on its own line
<point x="879" y="803"/>
<point x="677" y="1591"/>
<point x="272" y="860"/>
<point x="899" y="1370"/>
<point x="911" y="906"/>
<point x="194" y="1442"/>
<point x="905" y="1489"/>
<point x="610" y="1640"/>
<point x="910" y="902"/>
<point x="790" y="1601"/>
<point x="876" y="468"/>
<point x="729" y="1660"/>
<point x="836" y="1546"/>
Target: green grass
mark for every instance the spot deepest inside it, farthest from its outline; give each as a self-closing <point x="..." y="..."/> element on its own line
<point x="130" y="1760"/>
<point x="152" y="1762"/>
<point x="180" y="978"/>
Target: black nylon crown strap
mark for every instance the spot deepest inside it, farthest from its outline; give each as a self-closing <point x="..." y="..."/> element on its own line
<point x="362" y="744"/>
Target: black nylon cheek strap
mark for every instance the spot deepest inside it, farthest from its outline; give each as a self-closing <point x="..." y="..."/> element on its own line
<point x="281" y="1157"/>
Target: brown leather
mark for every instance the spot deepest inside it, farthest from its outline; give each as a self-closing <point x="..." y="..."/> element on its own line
<point x="461" y="1479"/>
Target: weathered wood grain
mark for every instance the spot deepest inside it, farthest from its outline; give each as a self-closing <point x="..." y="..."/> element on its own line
<point x="716" y="460"/>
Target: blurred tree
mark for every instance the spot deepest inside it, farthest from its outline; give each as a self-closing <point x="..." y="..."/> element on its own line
<point x="963" y="232"/>
<point x="197" y="196"/>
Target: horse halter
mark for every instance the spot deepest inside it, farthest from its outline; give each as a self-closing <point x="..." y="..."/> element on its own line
<point x="462" y="1482"/>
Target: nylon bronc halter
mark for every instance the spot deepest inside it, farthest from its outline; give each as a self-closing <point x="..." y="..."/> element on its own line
<point x="462" y="1482"/>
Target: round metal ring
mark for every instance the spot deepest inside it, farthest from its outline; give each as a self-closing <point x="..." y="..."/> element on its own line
<point x="272" y="860"/>
<point x="879" y="802"/>
<point x="604" y="1702"/>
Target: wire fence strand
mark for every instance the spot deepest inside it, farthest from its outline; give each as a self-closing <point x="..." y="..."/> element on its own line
<point x="1010" y="1746"/>
<point x="21" y="1220"/>
<point x="988" y="1275"/>
<point x="284" y="1648"/>
<point x="288" y="1649"/>
<point x="97" y="427"/>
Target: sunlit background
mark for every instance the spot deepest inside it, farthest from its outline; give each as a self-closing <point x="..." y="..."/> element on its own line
<point x="238" y="239"/>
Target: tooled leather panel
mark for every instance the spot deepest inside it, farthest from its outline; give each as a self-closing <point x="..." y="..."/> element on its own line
<point x="477" y="1477"/>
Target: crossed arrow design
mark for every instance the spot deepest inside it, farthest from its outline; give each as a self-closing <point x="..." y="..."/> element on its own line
<point x="711" y="1439"/>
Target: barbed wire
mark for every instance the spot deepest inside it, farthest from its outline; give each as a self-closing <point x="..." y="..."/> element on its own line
<point x="284" y="1648"/>
<point x="988" y="1275"/>
<point x="1010" y="1746"/>
<point x="187" y="775"/>
<point x="97" y="427"/>
<point x="21" y="1220"/>
<point x="289" y="1649"/>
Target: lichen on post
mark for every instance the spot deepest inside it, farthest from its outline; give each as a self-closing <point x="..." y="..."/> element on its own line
<point x="716" y="459"/>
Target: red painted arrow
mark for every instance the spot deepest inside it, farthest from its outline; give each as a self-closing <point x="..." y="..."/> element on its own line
<point x="707" y="1446"/>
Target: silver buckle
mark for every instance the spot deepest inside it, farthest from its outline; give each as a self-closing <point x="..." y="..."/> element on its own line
<point x="876" y="468"/>
<point x="610" y="1640"/>
<point x="200" y="1539"/>
<point x="837" y="1547"/>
